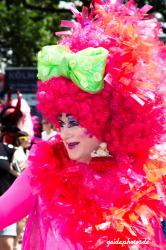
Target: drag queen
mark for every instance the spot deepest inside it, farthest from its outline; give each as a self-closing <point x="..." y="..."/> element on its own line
<point x="104" y="81"/>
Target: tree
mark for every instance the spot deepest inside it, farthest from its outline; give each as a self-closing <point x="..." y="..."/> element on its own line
<point x="27" y="25"/>
<point x="24" y="31"/>
<point x="46" y="5"/>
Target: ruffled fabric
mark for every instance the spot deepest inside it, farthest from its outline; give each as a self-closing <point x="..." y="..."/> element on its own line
<point x="93" y="205"/>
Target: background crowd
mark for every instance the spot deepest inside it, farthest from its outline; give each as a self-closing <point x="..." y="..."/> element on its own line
<point x="18" y="131"/>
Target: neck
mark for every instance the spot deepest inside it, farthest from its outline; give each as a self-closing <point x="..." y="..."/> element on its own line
<point x="85" y="161"/>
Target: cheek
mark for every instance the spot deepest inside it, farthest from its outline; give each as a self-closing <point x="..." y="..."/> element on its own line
<point x="91" y="145"/>
<point x="84" y="133"/>
<point x="89" y="142"/>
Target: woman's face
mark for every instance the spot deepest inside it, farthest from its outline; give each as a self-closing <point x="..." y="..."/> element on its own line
<point x="78" y="142"/>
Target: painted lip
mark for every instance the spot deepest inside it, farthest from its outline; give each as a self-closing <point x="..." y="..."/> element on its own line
<point x="72" y="145"/>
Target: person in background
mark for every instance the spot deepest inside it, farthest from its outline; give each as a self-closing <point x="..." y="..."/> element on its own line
<point x="37" y="128"/>
<point x="7" y="177"/>
<point x="14" y="115"/>
<point x="48" y="130"/>
<point x="23" y="142"/>
<point x="9" y="118"/>
<point x="25" y="123"/>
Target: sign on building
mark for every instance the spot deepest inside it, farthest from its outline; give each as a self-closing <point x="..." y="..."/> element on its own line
<point x="23" y="80"/>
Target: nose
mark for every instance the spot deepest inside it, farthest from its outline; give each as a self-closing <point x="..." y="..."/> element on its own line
<point x="66" y="133"/>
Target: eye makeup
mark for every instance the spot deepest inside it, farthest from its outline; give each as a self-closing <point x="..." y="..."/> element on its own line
<point x="70" y="121"/>
<point x="61" y="123"/>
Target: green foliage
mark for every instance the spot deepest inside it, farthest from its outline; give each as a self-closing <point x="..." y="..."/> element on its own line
<point x="23" y="32"/>
<point x="27" y="25"/>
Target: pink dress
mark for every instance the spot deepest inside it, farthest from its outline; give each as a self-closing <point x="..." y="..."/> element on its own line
<point x="37" y="235"/>
<point x="58" y="220"/>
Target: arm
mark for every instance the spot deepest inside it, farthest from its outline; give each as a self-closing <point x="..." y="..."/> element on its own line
<point x="14" y="172"/>
<point x="17" y="202"/>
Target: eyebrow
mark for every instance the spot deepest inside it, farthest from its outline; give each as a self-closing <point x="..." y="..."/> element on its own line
<point x="68" y="116"/>
<point x="60" y="119"/>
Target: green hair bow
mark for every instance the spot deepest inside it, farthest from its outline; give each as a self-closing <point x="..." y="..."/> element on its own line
<point x="85" y="68"/>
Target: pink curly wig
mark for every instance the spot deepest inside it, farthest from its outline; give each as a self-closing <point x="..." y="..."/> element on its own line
<point x="128" y="113"/>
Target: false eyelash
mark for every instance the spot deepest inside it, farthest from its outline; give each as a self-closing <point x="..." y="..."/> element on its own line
<point x="73" y="123"/>
<point x="61" y="123"/>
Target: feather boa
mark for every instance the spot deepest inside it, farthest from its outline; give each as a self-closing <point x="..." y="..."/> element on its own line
<point x="97" y="204"/>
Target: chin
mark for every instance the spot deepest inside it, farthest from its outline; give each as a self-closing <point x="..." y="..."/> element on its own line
<point x="73" y="157"/>
<point x="78" y="159"/>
